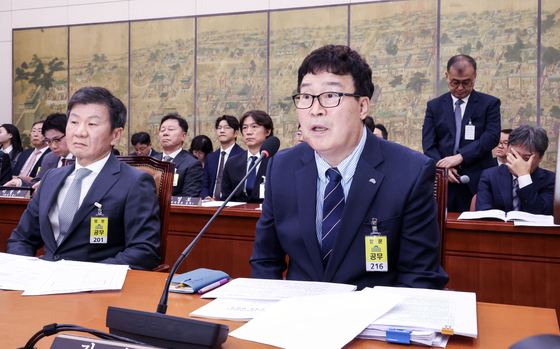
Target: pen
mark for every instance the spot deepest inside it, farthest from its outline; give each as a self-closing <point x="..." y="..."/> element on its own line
<point x="213" y="286"/>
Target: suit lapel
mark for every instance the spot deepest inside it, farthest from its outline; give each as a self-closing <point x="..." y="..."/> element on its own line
<point x="447" y="105"/>
<point x="306" y="195"/>
<point x="104" y="181"/>
<point x="365" y="184"/>
<point x="472" y="105"/>
<point x="506" y="187"/>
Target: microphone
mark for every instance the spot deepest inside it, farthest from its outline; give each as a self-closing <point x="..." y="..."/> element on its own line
<point x="161" y="330"/>
<point x="464" y="179"/>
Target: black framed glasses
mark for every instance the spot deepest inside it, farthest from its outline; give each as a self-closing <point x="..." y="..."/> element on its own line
<point x="326" y="99"/>
<point x="54" y="140"/>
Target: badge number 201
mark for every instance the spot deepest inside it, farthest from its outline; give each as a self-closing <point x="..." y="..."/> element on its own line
<point x="99" y="230"/>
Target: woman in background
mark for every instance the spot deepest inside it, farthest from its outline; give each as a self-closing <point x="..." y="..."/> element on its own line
<point x="10" y="142"/>
<point x="201" y="146"/>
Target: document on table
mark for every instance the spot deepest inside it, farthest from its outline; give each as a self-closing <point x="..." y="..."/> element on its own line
<point x="19" y="272"/>
<point x="219" y="203"/>
<point x="325" y="321"/>
<point x="232" y="309"/>
<point x="265" y="289"/>
<point x="38" y="277"/>
<point x="424" y="309"/>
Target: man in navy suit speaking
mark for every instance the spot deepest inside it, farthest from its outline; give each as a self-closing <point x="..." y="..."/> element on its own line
<point x="460" y="130"/>
<point x="98" y="209"/>
<point x="346" y="206"/>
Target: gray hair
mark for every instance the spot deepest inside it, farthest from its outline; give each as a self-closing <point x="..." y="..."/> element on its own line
<point x="533" y="138"/>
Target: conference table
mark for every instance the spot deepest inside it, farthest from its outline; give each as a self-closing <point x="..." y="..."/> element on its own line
<point x="500" y="262"/>
<point x="499" y="325"/>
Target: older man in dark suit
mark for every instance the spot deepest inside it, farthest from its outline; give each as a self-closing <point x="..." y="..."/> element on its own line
<point x="519" y="184"/>
<point x="188" y="169"/>
<point x="29" y="161"/>
<point x="460" y="130"/>
<point x="340" y="206"/>
<point x="98" y="190"/>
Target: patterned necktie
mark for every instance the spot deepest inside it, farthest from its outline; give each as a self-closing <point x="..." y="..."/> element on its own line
<point x="27" y="170"/>
<point x="71" y="203"/>
<point x="251" y="178"/>
<point x="333" y="206"/>
<point x="218" y="188"/>
<point x="458" y="121"/>
<point x="167" y="158"/>
<point x="516" y="204"/>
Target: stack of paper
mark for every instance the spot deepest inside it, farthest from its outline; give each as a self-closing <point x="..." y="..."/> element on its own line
<point x="39" y="277"/>
<point x="429" y="314"/>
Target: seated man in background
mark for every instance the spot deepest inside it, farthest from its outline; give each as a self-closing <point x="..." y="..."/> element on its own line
<point x="142" y="145"/>
<point x="29" y="161"/>
<point x="519" y="185"/>
<point x="227" y="129"/>
<point x="501" y="148"/>
<point x="380" y="131"/>
<point x="97" y="189"/>
<point x="256" y="127"/>
<point x="54" y="133"/>
<point x="188" y="170"/>
<point x="340" y="206"/>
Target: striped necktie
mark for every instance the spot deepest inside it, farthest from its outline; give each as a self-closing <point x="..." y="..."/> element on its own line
<point x="333" y="206"/>
<point x="516" y="203"/>
<point x="218" y="188"/>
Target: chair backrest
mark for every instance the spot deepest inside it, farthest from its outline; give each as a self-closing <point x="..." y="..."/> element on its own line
<point x="162" y="171"/>
<point x="440" y="192"/>
<point x="473" y="203"/>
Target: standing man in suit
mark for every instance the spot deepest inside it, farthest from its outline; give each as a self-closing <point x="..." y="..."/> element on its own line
<point x="29" y="161"/>
<point x="256" y="127"/>
<point x="142" y="145"/>
<point x="501" y="149"/>
<point x="188" y="169"/>
<point x="519" y="185"/>
<point x="340" y="205"/>
<point x="97" y="190"/>
<point x="227" y="129"/>
<point x="54" y="133"/>
<point x="460" y="130"/>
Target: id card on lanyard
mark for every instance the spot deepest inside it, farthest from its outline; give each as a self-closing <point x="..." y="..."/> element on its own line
<point x="376" y="250"/>
<point x="99" y="229"/>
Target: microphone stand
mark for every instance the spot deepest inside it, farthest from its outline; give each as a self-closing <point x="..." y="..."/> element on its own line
<point x="167" y="331"/>
<point x="162" y="306"/>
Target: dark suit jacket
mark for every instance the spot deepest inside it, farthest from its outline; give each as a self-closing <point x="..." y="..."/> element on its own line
<point x="399" y="196"/>
<point x="6" y="171"/>
<point x="130" y="202"/>
<point x="23" y="158"/>
<point x="189" y="169"/>
<point x="495" y="191"/>
<point x="49" y="161"/>
<point x="235" y="170"/>
<point x="211" y="169"/>
<point x="438" y="133"/>
<point x="153" y="153"/>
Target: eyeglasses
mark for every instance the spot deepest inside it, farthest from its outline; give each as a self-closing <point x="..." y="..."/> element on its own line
<point x="225" y="128"/>
<point x="35" y="132"/>
<point x="326" y="99"/>
<point x="465" y="83"/>
<point x="54" y="140"/>
<point x="503" y="144"/>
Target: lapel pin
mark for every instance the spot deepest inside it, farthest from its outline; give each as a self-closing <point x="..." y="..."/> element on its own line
<point x="372" y="180"/>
